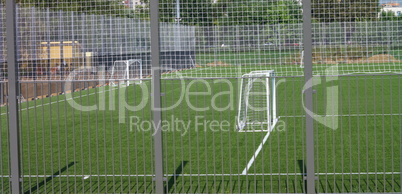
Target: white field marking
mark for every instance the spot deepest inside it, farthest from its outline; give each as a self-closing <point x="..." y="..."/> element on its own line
<point x="250" y="163"/>
<point x="252" y="131"/>
<point x="184" y="72"/>
<point x="204" y="68"/>
<point x="188" y="175"/>
<point x="60" y="100"/>
<point x="351" y="115"/>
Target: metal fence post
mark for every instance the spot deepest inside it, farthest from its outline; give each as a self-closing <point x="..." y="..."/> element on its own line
<point x="2" y="60"/>
<point x="14" y="141"/>
<point x="156" y="99"/>
<point x="48" y="34"/>
<point x="308" y="93"/>
<point x="34" y="41"/>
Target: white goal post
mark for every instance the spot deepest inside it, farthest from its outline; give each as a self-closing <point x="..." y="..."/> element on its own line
<point x="124" y="71"/>
<point x="257" y="104"/>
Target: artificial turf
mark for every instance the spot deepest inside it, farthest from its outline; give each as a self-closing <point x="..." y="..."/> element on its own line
<point x="79" y="147"/>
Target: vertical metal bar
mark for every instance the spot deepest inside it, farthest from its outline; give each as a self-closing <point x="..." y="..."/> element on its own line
<point x="128" y="135"/>
<point x="222" y="145"/>
<point x="1" y="52"/>
<point x="102" y="38"/>
<point x="374" y="85"/>
<point x="231" y="158"/>
<point x="173" y="140"/>
<point x="50" y="137"/>
<point x="136" y="147"/>
<point x="198" y="143"/>
<point x="59" y="121"/>
<point x="14" y="141"/>
<point x="3" y="156"/>
<point x="61" y="43"/>
<point x="48" y="43"/>
<point x="189" y="149"/>
<point x="358" y="134"/>
<point x="33" y="40"/>
<point x="156" y="100"/>
<point x="42" y="134"/>
<point x="400" y="127"/>
<point x="308" y="93"/>
<point x="293" y="105"/>
<point x="213" y="147"/>
<point x="383" y="128"/>
<point x="36" y="131"/>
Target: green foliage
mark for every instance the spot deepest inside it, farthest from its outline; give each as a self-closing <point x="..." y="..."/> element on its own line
<point x="104" y="7"/>
<point x="227" y="12"/>
<point x="345" y="10"/>
<point x="260" y="12"/>
<point x="192" y="12"/>
<point x="389" y="16"/>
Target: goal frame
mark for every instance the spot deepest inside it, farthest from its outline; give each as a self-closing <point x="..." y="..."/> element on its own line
<point x="126" y="80"/>
<point x="269" y="79"/>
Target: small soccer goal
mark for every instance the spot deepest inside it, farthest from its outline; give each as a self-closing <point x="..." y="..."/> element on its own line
<point x="257" y="104"/>
<point x="124" y="72"/>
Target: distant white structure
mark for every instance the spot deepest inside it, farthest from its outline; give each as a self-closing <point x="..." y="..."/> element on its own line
<point x="396" y="10"/>
<point x="392" y="6"/>
<point x="132" y="3"/>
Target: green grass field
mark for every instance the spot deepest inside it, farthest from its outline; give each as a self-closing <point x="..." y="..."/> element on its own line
<point x="357" y="150"/>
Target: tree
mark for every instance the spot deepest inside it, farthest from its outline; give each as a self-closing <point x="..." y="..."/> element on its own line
<point x="105" y="7"/>
<point x="389" y="16"/>
<point x="246" y="12"/>
<point x="192" y="12"/>
<point x="345" y="10"/>
<point x="228" y="12"/>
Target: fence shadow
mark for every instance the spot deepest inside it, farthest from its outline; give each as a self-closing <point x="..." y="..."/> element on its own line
<point x="173" y="179"/>
<point x="41" y="184"/>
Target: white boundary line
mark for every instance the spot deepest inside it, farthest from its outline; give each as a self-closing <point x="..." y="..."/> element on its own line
<point x="111" y="88"/>
<point x="185" y="72"/>
<point x="250" y="163"/>
<point x="190" y="175"/>
<point x="348" y="115"/>
<point x="62" y="100"/>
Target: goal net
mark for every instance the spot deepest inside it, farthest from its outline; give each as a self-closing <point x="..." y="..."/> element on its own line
<point x="125" y="71"/>
<point x="257" y="104"/>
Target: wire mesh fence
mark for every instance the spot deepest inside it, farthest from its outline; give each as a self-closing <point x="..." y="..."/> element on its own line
<point x="229" y="97"/>
<point x="53" y="42"/>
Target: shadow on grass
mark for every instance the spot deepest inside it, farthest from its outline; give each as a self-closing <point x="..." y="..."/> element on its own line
<point x="173" y="178"/>
<point x="303" y="170"/>
<point x="36" y="187"/>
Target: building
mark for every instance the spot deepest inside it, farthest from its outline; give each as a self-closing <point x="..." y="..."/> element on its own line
<point x="133" y="3"/>
<point x="396" y="10"/>
<point x="390" y="4"/>
<point x="64" y="54"/>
